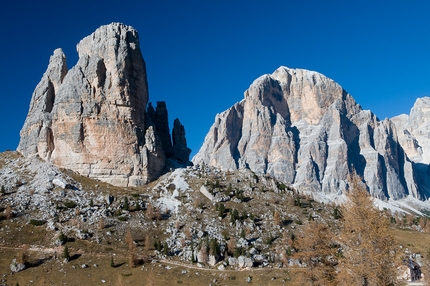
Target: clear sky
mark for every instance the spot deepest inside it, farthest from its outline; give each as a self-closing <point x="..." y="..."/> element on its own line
<point x="202" y="55"/>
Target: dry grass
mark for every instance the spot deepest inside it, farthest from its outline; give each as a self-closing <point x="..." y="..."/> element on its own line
<point x="53" y="272"/>
<point x="415" y="241"/>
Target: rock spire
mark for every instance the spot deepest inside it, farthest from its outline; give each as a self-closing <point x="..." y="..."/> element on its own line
<point x="92" y="118"/>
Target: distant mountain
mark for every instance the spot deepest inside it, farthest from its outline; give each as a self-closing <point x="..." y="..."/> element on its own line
<point x="93" y="119"/>
<point x="305" y="129"/>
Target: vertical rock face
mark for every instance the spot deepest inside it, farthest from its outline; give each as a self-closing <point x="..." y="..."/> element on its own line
<point x="414" y="136"/>
<point x="91" y="119"/>
<point x="159" y="119"/>
<point x="180" y="150"/>
<point x="306" y="130"/>
<point x="36" y="134"/>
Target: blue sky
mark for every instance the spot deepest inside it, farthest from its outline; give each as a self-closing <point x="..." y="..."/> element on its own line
<point x="202" y="55"/>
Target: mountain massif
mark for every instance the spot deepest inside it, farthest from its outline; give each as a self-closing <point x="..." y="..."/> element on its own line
<point x="296" y="125"/>
<point x="306" y="130"/>
<point x="93" y="119"/>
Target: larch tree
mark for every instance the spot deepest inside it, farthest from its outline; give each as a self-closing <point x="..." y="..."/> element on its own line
<point x="132" y="251"/>
<point x="316" y="248"/>
<point x="369" y="250"/>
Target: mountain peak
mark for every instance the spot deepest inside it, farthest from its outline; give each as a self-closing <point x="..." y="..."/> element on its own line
<point x="92" y="118"/>
<point x="304" y="129"/>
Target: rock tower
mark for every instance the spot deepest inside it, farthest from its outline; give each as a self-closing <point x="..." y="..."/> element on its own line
<point x="92" y="118"/>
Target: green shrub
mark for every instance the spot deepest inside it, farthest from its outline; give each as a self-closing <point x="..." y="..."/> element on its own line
<point x="281" y="186"/>
<point x="70" y="204"/>
<point x="62" y="237"/>
<point x="37" y="222"/>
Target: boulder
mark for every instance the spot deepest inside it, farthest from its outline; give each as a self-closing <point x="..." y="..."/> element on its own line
<point x="16" y="267"/>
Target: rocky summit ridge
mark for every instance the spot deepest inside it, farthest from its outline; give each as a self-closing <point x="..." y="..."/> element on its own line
<point x="296" y="125"/>
<point x="93" y="119"/>
<point x="306" y="130"/>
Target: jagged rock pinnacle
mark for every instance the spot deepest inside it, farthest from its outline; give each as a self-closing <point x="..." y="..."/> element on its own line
<point x="92" y="118"/>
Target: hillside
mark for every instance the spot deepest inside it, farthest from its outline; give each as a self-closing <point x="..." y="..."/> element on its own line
<point x="165" y="219"/>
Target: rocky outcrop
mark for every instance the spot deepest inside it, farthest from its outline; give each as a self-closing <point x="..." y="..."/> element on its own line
<point x="180" y="150"/>
<point x="306" y="130"/>
<point x="414" y="136"/>
<point x="92" y="118"/>
<point x="159" y="118"/>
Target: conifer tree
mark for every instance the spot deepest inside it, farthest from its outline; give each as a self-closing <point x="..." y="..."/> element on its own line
<point x="369" y="251"/>
<point x="131" y="249"/>
<point x="276" y="218"/>
<point x="193" y="260"/>
<point x="316" y="248"/>
<point x="66" y="254"/>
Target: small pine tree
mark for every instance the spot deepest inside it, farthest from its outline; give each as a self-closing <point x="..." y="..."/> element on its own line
<point x="221" y="210"/>
<point x="137" y="207"/>
<point x="234" y="216"/>
<point x="3" y="190"/>
<point x="91" y="203"/>
<point x="214" y="247"/>
<point x="126" y="204"/>
<point x="112" y="263"/>
<point x="66" y="254"/>
<point x="242" y="233"/>
<point x="166" y="249"/>
<point x="193" y="260"/>
<point x="336" y="213"/>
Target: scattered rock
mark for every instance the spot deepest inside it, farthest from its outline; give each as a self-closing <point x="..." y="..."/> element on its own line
<point x="16" y="267"/>
<point x="60" y="183"/>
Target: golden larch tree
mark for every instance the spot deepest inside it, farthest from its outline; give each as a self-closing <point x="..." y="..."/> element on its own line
<point x="369" y="250"/>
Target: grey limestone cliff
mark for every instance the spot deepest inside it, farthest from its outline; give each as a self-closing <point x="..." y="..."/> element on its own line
<point x="304" y="129"/>
<point x="92" y="118"/>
